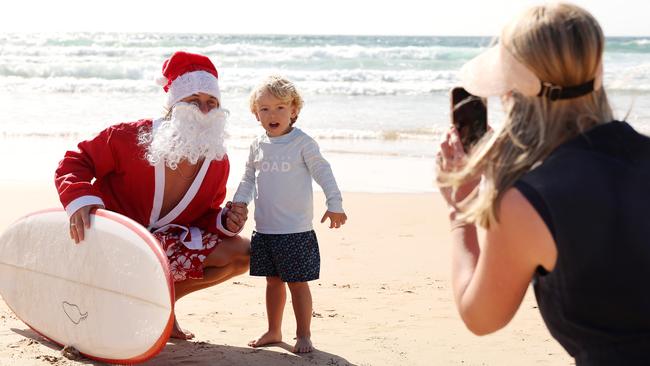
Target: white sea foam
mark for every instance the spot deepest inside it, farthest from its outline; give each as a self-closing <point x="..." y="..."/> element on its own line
<point x="374" y="98"/>
<point x="639" y="42"/>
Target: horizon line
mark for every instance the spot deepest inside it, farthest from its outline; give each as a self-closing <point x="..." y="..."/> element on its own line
<point x="277" y="34"/>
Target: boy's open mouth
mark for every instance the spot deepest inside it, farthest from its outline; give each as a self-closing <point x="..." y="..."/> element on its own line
<point x="274" y="124"/>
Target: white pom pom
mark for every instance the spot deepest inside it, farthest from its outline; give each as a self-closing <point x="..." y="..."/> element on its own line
<point x="161" y="80"/>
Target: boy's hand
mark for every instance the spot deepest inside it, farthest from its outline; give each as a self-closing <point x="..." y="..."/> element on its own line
<point x="336" y="218"/>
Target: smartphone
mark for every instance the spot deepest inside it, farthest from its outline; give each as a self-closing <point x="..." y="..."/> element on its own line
<point x="469" y="116"/>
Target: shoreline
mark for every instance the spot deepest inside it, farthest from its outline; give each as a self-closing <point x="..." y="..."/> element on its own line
<point x="390" y="174"/>
<point x="383" y="298"/>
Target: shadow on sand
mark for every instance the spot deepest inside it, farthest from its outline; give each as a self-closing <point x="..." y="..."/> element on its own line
<point x="178" y="352"/>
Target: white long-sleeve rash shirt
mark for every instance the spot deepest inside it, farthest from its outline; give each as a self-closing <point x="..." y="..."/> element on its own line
<point x="278" y="175"/>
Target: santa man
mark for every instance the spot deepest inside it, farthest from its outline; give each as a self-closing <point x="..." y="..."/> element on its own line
<point x="169" y="175"/>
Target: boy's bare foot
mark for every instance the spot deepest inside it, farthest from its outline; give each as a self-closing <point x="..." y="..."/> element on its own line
<point x="303" y="345"/>
<point x="179" y="333"/>
<point x="266" y="338"/>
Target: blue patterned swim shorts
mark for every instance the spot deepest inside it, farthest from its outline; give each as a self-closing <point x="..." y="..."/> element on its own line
<point x="292" y="257"/>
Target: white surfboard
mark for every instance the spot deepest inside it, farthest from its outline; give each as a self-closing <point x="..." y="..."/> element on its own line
<point x="110" y="296"/>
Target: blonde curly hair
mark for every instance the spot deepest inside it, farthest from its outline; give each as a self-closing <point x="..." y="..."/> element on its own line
<point x="281" y="88"/>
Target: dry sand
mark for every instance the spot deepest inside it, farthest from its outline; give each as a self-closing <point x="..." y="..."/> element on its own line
<point x="384" y="298"/>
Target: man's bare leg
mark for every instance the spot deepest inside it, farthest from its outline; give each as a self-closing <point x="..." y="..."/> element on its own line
<point x="179" y="333"/>
<point x="276" y="297"/>
<point x="302" y="308"/>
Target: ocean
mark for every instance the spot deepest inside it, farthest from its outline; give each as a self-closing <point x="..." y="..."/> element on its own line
<point x="377" y="105"/>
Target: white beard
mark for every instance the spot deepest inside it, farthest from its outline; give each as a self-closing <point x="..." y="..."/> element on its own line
<point x="188" y="135"/>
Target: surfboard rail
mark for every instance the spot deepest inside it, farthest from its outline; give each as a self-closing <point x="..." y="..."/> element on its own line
<point x="145" y="237"/>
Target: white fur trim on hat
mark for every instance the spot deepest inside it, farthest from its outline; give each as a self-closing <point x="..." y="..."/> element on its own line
<point x="192" y="83"/>
<point x="161" y="80"/>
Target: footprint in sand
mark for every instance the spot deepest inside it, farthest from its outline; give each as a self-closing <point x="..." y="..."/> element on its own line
<point x="48" y="358"/>
<point x="22" y="343"/>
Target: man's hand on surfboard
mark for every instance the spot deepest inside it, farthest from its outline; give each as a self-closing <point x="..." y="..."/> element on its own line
<point x="79" y="221"/>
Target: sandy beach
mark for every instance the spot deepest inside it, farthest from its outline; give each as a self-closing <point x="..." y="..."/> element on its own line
<point x="384" y="298"/>
<point x="378" y="106"/>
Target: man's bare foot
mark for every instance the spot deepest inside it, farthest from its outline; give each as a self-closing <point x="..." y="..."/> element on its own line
<point x="303" y="345"/>
<point x="179" y="333"/>
<point x="266" y="338"/>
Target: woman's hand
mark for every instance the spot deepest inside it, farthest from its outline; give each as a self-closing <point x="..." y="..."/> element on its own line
<point x="336" y="219"/>
<point x="80" y="220"/>
<point x="451" y="158"/>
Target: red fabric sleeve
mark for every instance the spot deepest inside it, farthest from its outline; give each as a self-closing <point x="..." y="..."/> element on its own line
<point x="208" y="221"/>
<point x="94" y="159"/>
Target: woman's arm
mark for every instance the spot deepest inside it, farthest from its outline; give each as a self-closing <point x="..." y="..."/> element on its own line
<point x="489" y="282"/>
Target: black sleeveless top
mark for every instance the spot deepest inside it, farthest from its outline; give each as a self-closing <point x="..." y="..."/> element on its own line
<point x="593" y="193"/>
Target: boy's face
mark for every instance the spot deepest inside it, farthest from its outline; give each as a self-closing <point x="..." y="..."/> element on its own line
<point x="274" y="114"/>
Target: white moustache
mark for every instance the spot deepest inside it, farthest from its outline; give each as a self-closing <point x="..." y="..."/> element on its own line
<point x="188" y="112"/>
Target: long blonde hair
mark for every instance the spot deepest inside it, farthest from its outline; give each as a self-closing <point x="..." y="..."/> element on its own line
<point x="562" y="44"/>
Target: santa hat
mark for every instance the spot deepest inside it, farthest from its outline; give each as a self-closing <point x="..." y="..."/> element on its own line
<point x="184" y="74"/>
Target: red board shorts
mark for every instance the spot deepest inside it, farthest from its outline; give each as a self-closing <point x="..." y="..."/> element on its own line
<point x="186" y="263"/>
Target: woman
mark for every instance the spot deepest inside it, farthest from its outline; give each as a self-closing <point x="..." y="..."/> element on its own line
<point x="564" y="196"/>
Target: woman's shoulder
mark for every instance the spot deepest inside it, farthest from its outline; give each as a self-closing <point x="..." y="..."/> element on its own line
<point x="614" y="138"/>
<point x="610" y="143"/>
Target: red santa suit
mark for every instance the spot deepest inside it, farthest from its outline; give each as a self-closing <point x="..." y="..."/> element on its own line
<point x="111" y="170"/>
<point x="125" y="182"/>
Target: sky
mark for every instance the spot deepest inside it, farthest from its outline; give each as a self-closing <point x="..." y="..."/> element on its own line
<point x="379" y="17"/>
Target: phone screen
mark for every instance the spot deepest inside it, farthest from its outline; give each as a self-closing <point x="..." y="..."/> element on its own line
<point x="469" y="116"/>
